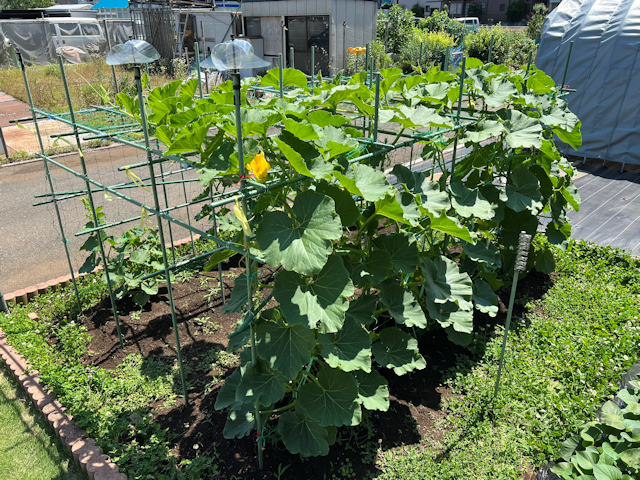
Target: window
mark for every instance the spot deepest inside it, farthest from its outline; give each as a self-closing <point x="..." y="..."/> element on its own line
<point x="252" y="27"/>
<point x="502" y="7"/>
<point x="90" y="29"/>
<point x="69" y="29"/>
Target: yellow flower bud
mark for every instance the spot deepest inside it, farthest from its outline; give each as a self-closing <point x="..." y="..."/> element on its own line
<point x="239" y="212"/>
<point x="259" y="167"/>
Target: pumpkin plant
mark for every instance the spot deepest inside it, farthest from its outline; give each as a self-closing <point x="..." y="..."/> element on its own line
<point x="367" y="261"/>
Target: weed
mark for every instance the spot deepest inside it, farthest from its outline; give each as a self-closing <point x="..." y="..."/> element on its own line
<point x="207" y="326"/>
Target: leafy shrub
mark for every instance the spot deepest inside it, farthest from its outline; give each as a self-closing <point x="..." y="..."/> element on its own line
<point x="534" y="29"/>
<point x="609" y="448"/>
<point x="417" y="10"/>
<point x="355" y="63"/>
<point x="434" y="47"/>
<point x="440" y="22"/>
<point x="509" y="48"/>
<point x="399" y="29"/>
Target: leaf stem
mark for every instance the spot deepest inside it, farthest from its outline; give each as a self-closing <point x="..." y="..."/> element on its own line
<point x="279" y="410"/>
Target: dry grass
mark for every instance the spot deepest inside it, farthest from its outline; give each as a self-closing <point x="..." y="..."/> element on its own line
<point x="84" y="81"/>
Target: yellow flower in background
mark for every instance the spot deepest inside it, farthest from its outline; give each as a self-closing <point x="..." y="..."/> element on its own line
<point x="259" y="167"/>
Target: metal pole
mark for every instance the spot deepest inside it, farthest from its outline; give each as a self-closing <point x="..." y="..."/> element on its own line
<point x="371" y="73"/>
<point x="241" y="171"/>
<point x="198" y="67"/>
<point x="281" y="81"/>
<point x="455" y="142"/>
<point x="566" y="67"/>
<point x="344" y="46"/>
<point x="377" y="110"/>
<point x="49" y="181"/>
<point x="313" y="68"/>
<point x="94" y="214"/>
<point x="291" y="57"/>
<point x="163" y="248"/>
<point x="215" y="232"/>
<point x="521" y="265"/>
<point x="166" y="204"/>
<point x="490" y="48"/>
<point x="366" y="57"/>
<point x="113" y="68"/>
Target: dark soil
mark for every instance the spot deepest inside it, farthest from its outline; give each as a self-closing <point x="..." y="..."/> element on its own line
<point x="416" y="413"/>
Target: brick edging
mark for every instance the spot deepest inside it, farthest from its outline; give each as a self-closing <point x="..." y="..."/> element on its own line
<point x="24" y="295"/>
<point x="86" y="453"/>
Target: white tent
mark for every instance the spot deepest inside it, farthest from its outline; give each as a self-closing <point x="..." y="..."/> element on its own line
<point x="604" y="69"/>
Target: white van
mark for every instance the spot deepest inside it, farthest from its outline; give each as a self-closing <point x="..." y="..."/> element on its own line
<point x="83" y="33"/>
<point x="472" y="23"/>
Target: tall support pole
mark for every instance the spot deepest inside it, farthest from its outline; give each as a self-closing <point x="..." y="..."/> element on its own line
<point x="527" y="73"/>
<point x="49" y="181"/>
<point x="92" y="206"/>
<point x="195" y="45"/>
<point x="366" y="57"/>
<point x="490" y="48"/>
<point x="184" y="190"/>
<point x="521" y="265"/>
<point x="292" y="61"/>
<point x="566" y="67"/>
<point x="445" y="67"/>
<point x="113" y="68"/>
<point x="377" y="110"/>
<point x="280" y="71"/>
<point x="455" y="142"/>
<point x="163" y="247"/>
<point x="313" y="68"/>
<point x="166" y="204"/>
<point x="241" y="170"/>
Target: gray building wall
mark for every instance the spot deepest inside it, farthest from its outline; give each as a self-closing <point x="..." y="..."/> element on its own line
<point x="360" y="17"/>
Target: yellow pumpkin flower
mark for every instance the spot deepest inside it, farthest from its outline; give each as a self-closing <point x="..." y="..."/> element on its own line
<point x="239" y="212"/>
<point x="351" y="50"/>
<point x="259" y="167"/>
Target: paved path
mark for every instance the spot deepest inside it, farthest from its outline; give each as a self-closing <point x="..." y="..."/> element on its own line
<point x="31" y="250"/>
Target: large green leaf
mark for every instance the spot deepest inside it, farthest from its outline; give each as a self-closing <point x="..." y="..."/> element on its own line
<point x="373" y="390"/>
<point x="302" y="243"/>
<point x="286" y="347"/>
<point x="290" y="78"/>
<point x="403" y="306"/>
<point x="484" y="297"/>
<point x="240" y="422"/>
<point x="345" y="205"/>
<point x="300" y="129"/>
<point x="303" y="156"/>
<point x="320" y="304"/>
<point x="217" y="257"/>
<point x="523" y="191"/>
<point x="445" y="282"/>
<point x="239" y="295"/>
<point x="484" y="252"/>
<point x="501" y="92"/>
<point x="398" y="350"/>
<point x="606" y="472"/>
<point x="369" y="183"/>
<point x="302" y="435"/>
<point x="522" y="130"/>
<point x="227" y="394"/>
<point x="401" y="207"/>
<point x="349" y="349"/>
<point x="401" y="248"/>
<point x="331" y="401"/>
<point x="451" y="226"/>
<point x="419" y="116"/>
<point x="469" y="202"/>
<point x="374" y="267"/>
<point x="362" y="309"/>
<point x="572" y="137"/>
<point x="322" y="118"/>
<point x="260" y="383"/>
<point x="484" y="130"/>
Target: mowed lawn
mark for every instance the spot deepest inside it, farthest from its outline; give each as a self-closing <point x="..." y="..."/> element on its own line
<point x="29" y="449"/>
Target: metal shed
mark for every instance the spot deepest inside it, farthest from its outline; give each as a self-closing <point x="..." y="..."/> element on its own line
<point x="332" y="26"/>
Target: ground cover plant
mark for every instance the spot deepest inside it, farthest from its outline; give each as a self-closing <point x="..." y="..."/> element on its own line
<point x="310" y="364"/>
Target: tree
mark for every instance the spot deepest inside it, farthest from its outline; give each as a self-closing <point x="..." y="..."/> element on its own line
<point x="418" y="11"/>
<point x="516" y="10"/>
<point x="25" y="4"/>
<point x="534" y="29"/>
<point x="400" y="28"/>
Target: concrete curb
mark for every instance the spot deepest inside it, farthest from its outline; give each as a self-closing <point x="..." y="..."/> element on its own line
<point x="24" y="295"/>
<point x="86" y="453"/>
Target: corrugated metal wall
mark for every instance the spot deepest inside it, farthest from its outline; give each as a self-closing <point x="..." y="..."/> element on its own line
<point x="360" y="17"/>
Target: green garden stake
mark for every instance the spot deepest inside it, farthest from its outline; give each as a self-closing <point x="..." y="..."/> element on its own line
<point x="521" y="265"/>
<point x="291" y="58"/>
<point x="527" y="72"/>
<point x="20" y="64"/>
<point x="377" y="109"/>
<point x="163" y="248"/>
<point x="281" y="79"/>
<point x="186" y="200"/>
<point x="446" y="59"/>
<point x="197" y="49"/>
<point x="90" y="197"/>
<point x="215" y="232"/>
<point x="455" y="142"/>
<point x="313" y="69"/>
<point x="566" y="67"/>
<point x="490" y="48"/>
<point x="420" y="60"/>
<point x="166" y="205"/>
<point x="366" y="56"/>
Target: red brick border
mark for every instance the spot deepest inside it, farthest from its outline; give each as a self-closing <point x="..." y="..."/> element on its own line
<point x="84" y="450"/>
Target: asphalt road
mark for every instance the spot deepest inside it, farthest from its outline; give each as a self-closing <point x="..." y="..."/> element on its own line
<point x="31" y="247"/>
